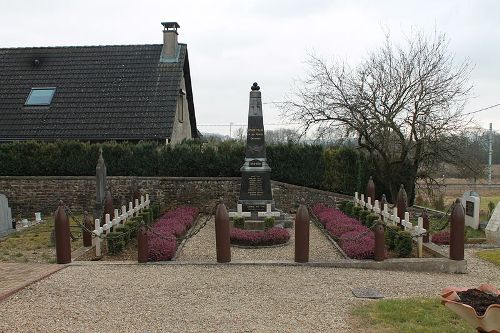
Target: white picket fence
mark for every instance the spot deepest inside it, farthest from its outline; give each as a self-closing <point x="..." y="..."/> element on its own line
<point x="111" y="224"/>
<point x="390" y="217"/>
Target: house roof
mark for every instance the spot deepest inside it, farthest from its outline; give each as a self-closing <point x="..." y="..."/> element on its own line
<point x="102" y="92"/>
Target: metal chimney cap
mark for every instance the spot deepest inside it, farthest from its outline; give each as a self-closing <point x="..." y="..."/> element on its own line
<point x="170" y="25"/>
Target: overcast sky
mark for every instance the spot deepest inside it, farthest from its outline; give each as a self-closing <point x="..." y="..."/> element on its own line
<point x="234" y="43"/>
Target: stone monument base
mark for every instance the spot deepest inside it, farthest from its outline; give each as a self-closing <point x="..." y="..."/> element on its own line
<point x="256" y="222"/>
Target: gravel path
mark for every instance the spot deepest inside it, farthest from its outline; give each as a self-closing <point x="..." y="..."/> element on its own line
<point x="97" y="297"/>
<point x="202" y="248"/>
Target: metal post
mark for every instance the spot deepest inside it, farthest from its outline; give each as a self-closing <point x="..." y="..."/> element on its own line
<point x="457" y="231"/>
<point x="379" y="251"/>
<point x="370" y="190"/>
<point x="142" y="245"/>
<point x="222" y="240"/>
<point x="86" y="234"/>
<point x="402" y="203"/>
<point x="302" y="234"/>
<point x="63" y="245"/>
<point x="108" y="206"/>
<point x="426" y="225"/>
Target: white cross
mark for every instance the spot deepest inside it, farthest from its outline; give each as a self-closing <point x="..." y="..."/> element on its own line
<point x="419" y="230"/>
<point x="394" y="217"/>
<point x="98" y="231"/>
<point x="376" y="207"/>
<point x="408" y="226"/>
<point x="369" y="204"/>
<point x="124" y="214"/>
<point x="268" y="212"/>
<point x="356" y="198"/>
<point x="362" y="201"/>
<point x="240" y="212"/>
<point x="130" y="209"/>
<point x="386" y="213"/>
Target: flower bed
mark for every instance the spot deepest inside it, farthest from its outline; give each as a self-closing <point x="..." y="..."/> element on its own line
<point x="271" y="236"/>
<point x="170" y="225"/>
<point x="441" y="237"/>
<point x="356" y="240"/>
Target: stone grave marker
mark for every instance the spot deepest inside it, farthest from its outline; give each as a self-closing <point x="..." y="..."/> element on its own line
<point x="5" y="215"/>
<point x="492" y="230"/>
<point x="471" y="201"/>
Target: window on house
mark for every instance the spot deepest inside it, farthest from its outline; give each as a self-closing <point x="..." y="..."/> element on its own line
<point x="40" y="96"/>
<point x="180" y="105"/>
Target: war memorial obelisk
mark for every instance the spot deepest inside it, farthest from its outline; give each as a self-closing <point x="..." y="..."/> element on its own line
<point x="255" y="192"/>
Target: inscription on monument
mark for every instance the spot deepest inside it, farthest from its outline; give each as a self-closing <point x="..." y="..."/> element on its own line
<point x="255" y="163"/>
<point x="469" y="208"/>
<point x="255" y="134"/>
<point x="255" y="188"/>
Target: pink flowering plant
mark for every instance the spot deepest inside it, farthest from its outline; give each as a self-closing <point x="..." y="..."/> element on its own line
<point x="441" y="237"/>
<point x="162" y="242"/>
<point x="356" y="240"/>
<point x="271" y="236"/>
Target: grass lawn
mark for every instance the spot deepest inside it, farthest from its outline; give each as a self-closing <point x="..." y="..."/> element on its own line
<point x="425" y="315"/>
<point x="33" y="244"/>
<point x="490" y="255"/>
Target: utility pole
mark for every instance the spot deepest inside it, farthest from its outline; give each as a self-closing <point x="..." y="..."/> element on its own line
<point x="490" y="152"/>
<point x="230" y="130"/>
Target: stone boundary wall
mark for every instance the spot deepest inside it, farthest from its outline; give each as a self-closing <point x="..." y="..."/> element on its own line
<point x="28" y="195"/>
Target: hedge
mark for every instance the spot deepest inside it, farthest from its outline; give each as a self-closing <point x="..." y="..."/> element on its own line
<point x="342" y="170"/>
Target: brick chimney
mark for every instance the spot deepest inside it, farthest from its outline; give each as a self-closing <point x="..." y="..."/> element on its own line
<point x="170" y="50"/>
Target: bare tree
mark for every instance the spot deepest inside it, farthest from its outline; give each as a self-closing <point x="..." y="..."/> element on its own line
<point x="282" y="135"/>
<point x="399" y="103"/>
<point x="240" y="134"/>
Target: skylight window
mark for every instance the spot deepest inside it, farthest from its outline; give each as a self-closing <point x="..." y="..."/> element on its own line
<point x="40" y="96"/>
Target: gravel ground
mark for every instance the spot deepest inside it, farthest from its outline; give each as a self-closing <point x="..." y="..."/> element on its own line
<point x="104" y="297"/>
<point x="202" y="248"/>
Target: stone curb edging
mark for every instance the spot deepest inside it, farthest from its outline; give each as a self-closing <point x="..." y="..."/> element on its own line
<point x="9" y="293"/>
<point x="436" y="265"/>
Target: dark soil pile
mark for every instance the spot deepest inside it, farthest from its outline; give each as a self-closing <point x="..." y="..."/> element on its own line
<point x="478" y="300"/>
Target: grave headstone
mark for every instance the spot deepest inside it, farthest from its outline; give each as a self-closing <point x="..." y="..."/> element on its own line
<point x="5" y="215"/>
<point x="255" y="191"/>
<point x="492" y="230"/>
<point x="471" y="201"/>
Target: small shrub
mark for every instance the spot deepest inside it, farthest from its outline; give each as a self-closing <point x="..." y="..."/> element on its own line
<point x="116" y="242"/>
<point x="438" y="202"/>
<point x="404" y="244"/>
<point x="268" y="223"/>
<point x="239" y="222"/>
<point x="355" y="211"/>
<point x="391" y="234"/>
<point x="371" y="219"/>
<point x="342" y="205"/>
<point x="441" y="237"/>
<point x="348" y="208"/>
<point x="272" y="236"/>
<point x="362" y="216"/>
